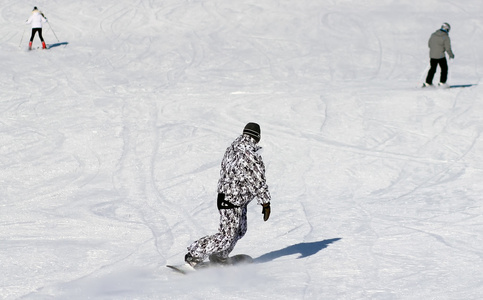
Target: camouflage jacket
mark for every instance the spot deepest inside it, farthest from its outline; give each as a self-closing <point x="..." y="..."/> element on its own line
<point x="242" y="175"/>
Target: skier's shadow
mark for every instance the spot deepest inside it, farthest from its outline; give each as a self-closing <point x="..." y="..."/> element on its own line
<point x="305" y="249"/>
<point x="58" y="44"/>
<point x="462" y="85"/>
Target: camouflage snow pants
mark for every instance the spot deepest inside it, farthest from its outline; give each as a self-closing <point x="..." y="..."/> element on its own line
<point x="233" y="226"/>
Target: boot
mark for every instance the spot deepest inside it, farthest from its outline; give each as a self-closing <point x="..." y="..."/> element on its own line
<point x="30" y="45"/>
<point x="191" y="260"/>
<point x="218" y="260"/>
<point x="44" y="46"/>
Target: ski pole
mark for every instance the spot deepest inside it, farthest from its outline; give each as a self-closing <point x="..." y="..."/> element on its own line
<point x="425" y="72"/>
<point x="21" y="40"/>
<point x="53" y="32"/>
<point x="449" y="69"/>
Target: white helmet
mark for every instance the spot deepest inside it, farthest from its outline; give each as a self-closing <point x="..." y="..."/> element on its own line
<point x="446" y="27"/>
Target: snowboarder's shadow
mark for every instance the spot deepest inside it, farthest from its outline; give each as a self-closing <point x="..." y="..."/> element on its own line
<point x="58" y="44"/>
<point x="305" y="249"/>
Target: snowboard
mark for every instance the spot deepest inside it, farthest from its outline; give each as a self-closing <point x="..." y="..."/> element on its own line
<point x="232" y="261"/>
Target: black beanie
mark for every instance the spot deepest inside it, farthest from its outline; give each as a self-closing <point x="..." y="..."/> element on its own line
<point x="253" y="130"/>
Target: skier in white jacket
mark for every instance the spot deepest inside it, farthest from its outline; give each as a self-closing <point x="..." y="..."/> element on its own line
<point x="36" y="19"/>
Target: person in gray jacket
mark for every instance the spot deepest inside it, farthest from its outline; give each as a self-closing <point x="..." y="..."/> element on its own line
<point x="439" y="43"/>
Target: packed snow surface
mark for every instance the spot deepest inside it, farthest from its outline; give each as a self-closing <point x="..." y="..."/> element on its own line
<point x="111" y="143"/>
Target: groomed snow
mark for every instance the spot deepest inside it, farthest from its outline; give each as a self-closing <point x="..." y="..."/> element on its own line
<point x="111" y="141"/>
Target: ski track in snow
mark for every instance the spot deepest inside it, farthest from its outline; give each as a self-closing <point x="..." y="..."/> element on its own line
<point x="111" y="143"/>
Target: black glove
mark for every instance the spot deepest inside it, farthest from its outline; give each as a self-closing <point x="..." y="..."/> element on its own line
<point x="266" y="211"/>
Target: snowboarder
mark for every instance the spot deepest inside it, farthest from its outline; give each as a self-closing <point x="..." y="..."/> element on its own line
<point x="439" y="43"/>
<point x="242" y="178"/>
<point x="36" y="19"/>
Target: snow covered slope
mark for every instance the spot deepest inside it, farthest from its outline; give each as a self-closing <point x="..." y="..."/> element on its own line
<point x="110" y="145"/>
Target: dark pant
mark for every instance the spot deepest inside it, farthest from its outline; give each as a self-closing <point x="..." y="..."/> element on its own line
<point x="434" y="65"/>
<point x="34" y="30"/>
